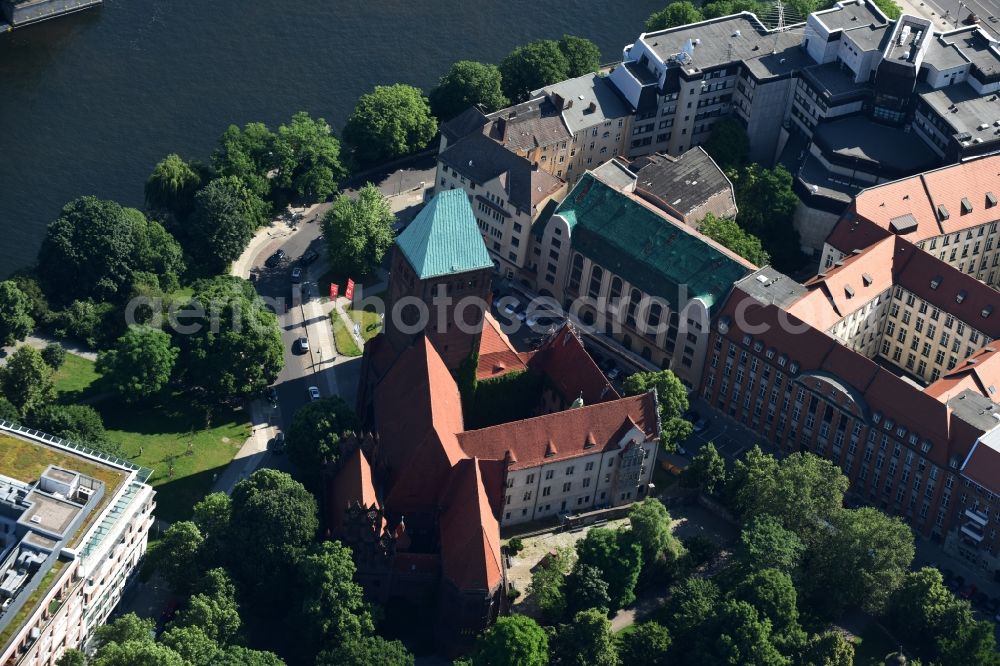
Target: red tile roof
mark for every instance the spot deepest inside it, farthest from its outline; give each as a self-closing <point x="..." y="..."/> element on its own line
<point x="980" y="373"/>
<point x="470" y="533"/>
<point x="417" y="413"/>
<point x="570" y="369"/>
<point x="497" y="355"/>
<point x="353" y="483"/>
<point x="563" y="435"/>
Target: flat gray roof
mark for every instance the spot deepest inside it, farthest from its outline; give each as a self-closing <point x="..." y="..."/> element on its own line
<point x="849" y="16"/>
<point x="615" y="174"/>
<point x="943" y="53"/>
<point x="868" y="38"/>
<point x="833" y="78"/>
<point x="720" y="43"/>
<point x="49" y="513"/>
<point x="583" y="92"/>
<point x="969" y="112"/>
<point x="770" y="287"/>
<point x="974" y="408"/>
<point x="860" y="138"/>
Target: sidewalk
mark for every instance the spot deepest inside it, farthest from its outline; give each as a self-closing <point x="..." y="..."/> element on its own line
<point x="39" y="342"/>
<point x="278" y="228"/>
<point x="251" y="454"/>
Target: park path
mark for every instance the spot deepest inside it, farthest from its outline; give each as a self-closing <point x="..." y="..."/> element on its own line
<point x="39" y="341"/>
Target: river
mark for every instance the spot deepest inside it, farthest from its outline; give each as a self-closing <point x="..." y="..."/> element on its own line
<point x="90" y="102"/>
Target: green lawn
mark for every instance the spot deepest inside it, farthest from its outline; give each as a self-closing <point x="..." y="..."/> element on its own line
<point x="76" y="380"/>
<point x="369" y="322"/>
<point x="174" y="441"/>
<point x="346" y="346"/>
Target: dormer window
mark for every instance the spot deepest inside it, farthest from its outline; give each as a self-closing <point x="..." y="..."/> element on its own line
<point x="926" y="446"/>
<point x="987" y="311"/>
<point x="935" y="282"/>
<point x="757" y="346"/>
<point x="960" y="296"/>
<point x="794" y="367"/>
<point x="942" y="212"/>
<point x="746" y="340"/>
<point x="966" y="206"/>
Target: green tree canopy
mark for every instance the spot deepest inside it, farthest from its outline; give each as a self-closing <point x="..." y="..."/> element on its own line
<point x="548" y="585"/>
<point x="141" y="363"/>
<point x="79" y="423"/>
<point x="719" y="8"/>
<point x="8" y="412"/>
<point x="692" y="603"/>
<point x="366" y="651"/>
<point x="531" y="67"/>
<point x="172" y="186"/>
<point x="706" y="471"/>
<point x="891" y="10"/>
<point x="673" y="15"/>
<point x="26" y="380"/>
<point x="648" y="643"/>
<point x="651" y="529"/>
<point x="192" y="644"/>
<point x="765" y="544"/>
<point x="619" y="559"/>
<point x="137" y="653"/>
<point x="515" y="640"/>
<point x="95" y="248"/>
<point x="673" y="402"/>
<point x="177" y="556"/>
<point x="741" y="636"/>
<point x="333" y="605"/>
<point x="582" y="55"/>
<point x="212" y="516"/>
<point x="726" y="232"/>
<point x="860" y="560"/>
<point x="389" y="122"/>
<point x="237" y="655"/>
<point x="72" y="657"/>
<point x="767" y="207"/>
<point x="586" y="589"/>
<point x="15" y="314"/>
<point x="972" y="641"/>
<point x="226" y="215"/>
<point x="358" y="232"/>
<point x="797" y="491"/>
<point x="247" y="154"/>
<point x="54" y="355"/>
<point x="314" y="437"/>
<point x="129" y="628"/>
<point x="308" y="157"/>
<point x="728" y="144"/>
<point x="772" y="594"/>
<point x="828" y="649"/>
<point x="230" y="344"/>
<point x="275" y="517"/>
<point x="467" y="83"/>
<point x="217" y="616"/>
<point x="587" y="640"/>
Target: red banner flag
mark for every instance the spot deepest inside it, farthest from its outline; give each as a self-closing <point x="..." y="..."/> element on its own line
<point x="349" y="291"/>
<point x="334" y="288"/>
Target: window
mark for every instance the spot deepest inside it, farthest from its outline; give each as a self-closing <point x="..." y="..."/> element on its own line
<point x="567" y="486"/>
<point x="549" y="474"/>
<point x="596" y="277"/>
<point x="527" y="495"/>
<point x="530" y="479"/>
<point x="570" y="470"/>
<point x="576" y="271"/>
<point x="588" y="467"/>
<point x="546" y="490"/>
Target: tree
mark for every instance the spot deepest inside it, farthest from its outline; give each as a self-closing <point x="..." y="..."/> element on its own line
<point x="178" y="555"/>
<point x="230" y="343"/>
<point x="891" y="10"/>
<point x="248" y="155"/>
<point x="765" y="544"/>
<point x="586" y="589"/>
<point x="54" y="355"/>
<point x="93" y="323"/>
<point x="15" y="314"/>
<point x="212" y="516"/>
<point x="588" y="640"/>
<point x="972" y="642"/>
<point x="467" y="83"/>
<point x="727" y="233"/>
<point x="767" y="207"/>
<point x="308" y="157"/>
<point x="237" y="655"/>
<point x="673" y="15"/>
<point x="617" y="557"/>
<point x="772" y="594"/>
<point x="95" y="248"/>
<point x="582" y="55"/>
<point x="673" y="401"/>
<point x="79" y="423"/>
<point x="742" y="637"/>
<point x="798" y="491"/>
<point x="274" y="517"/>
<point x="192" y="644"/>
<point x="515" y="640"/>
<point x="860" y="560"/>
<point x="8" y="412"/>
<point x="548" y="585"/>
<point x="829" y="649"/>
<point x="364" y="651"/>
<point x="333" y="605"/>
<point x="728" y="144"/>
<point x="72" y="657"/>
<point x="172" y="186"/>
<point x="226" y="215"/>
<point x="217" y="616"/>
<point x="706" y="471"/>
<point x="532" y="66"/>
<point x="389" y="122"/>
<point x="137" y="653"/>
<point x="128" y="628"/>
<point x="141" y="363"/>
<point x="358" y="232"/>
<point x="648" y="643"/>
<point x="26" y="380"/>
<point x="692" y="603"/>
<point x="651" y="529"/>
<point x="719" y="8"/>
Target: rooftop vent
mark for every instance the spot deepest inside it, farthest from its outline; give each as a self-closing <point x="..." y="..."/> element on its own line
<point x="942" y="212"/>
<point x="849" y="290"/>
<point x="966" y="206"/>
<point x="987" y="311"/>
<point x="867" y="279"/>
<point x="762" y="279"/>
<point x="982" y="126"/>
<point x="737" y="33"/>
<point x="991" y="200"/>
<point x="935" y="282"/>
<point x="960" y="296"/>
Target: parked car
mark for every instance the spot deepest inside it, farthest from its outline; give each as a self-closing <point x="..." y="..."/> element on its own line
<point x="278" y="444"/>
<point x="700" y="425"/>
<point x="272" y="395"/>
<point x="314" y="393"/>
<point x="296" y="275"/>
<point x="275" y="259"/>
<point x="309" y="257"/>
<point x="303" y="345"/>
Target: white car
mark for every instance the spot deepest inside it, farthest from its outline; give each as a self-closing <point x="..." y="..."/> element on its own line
<point x="303" y="344"/>
<point x="314" y="393"/>
<point x="511" y="307"/>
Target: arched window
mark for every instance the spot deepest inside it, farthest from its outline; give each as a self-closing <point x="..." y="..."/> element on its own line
<point x="647" y="354"/>
<point x="596" y="278"/>
<point x="633" y="305"/>
<point x="588" y="317"/>
<point x="616" y="290"/>
<point x="576" y="271"/>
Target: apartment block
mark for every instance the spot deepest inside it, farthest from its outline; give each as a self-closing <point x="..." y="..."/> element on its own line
<point x="75" y="524"/>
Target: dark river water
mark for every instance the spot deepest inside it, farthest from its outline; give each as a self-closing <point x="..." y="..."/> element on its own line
<point x="90" y="102"/>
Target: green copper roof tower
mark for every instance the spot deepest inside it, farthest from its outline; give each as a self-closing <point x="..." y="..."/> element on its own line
<point x="444" y="238"/>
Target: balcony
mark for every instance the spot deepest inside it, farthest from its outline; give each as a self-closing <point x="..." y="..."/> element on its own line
<point x="979" y="519"/>
<point x="970" y="532"/>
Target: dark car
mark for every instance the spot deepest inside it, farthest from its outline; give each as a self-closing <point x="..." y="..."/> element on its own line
<point x="272" y="395"/>
<point x="275" y="259"/>
<point x="309" y="257"/>
<point x="278" y="444"/>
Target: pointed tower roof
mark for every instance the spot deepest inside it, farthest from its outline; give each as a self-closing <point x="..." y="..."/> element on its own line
<point x="444" y="238"/>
